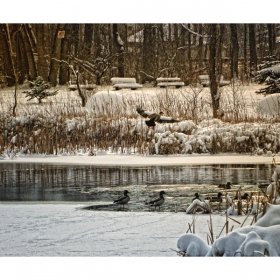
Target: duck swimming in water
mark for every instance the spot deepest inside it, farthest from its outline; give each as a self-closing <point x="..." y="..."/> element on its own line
<point x="154" y="117"/>
<point x="225" y="186"/>
<point x="123" y="200"/>
<point x="157" y="202"/>
<point x="217" y="198"/>
<point x="196" y="196"/>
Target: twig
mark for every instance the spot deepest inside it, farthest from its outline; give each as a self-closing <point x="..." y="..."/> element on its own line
<point x="245" y="219"/>
<point x="183" y="254"/>
<point x="221" y="230"/>
<point x="234" y="220"/>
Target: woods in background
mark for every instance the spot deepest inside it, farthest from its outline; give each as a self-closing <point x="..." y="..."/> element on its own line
<point x="142" y="51"/>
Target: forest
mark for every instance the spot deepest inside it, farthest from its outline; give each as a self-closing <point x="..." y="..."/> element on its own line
<point x="143" y="51"/>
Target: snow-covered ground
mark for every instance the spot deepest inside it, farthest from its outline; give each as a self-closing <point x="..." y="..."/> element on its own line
<point x="103" y="159"/>
<point x="60" y="230"/>
<point x="31" y="230"/>
<point x="64" y="230"/>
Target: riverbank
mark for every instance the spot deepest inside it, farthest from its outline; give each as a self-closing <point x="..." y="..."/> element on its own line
<point x="107" y="159"/>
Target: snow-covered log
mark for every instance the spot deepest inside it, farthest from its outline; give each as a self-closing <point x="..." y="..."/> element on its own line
<point x="198" y="204"/>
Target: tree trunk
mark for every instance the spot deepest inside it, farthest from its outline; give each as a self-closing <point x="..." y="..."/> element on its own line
<point x="29" y="53"/>
<point x="189" y="53"/>
<point x="245" y="52"/>
<point x="271" y="38"/>
<point x="234" y="51"/>
<point x="118" y="49"/>
<point x="81" y="94"/>
<point x="88" y="39"/>
<point x="55" y="56"/>
<point x="253" y="50"/>
<point x="32" y="38"/>
<point x="148" y="54"/>
<point x="200" y="47"/>
<point x="65" y="52"/>
<point x="23" y="63"/>
<point x="4" y="48"/>
<point x="42" y="65"/>
<point x="213" y="69"/>
<point x="14" y="61"/>
<point x="97" y="44"/>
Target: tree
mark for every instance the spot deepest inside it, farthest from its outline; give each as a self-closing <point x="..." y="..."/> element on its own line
<point x="271" y="38"/>
<point x="253" y="51"/>
<point x="234" y="50"/>
<point x="29" y="52"/>
<point x="42" y="64"/>
<point x="55" y="56"/>
<point x="214" y="68"/>
<point x="148" y="53"/>
<point x="118" y="49"/>
<point x="64" y="74"/>
<point x="39" y="90"/>
<point x="7" y="55"/>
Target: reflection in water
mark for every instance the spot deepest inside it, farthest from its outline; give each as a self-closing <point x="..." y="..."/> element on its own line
<point x="48" y="182"/>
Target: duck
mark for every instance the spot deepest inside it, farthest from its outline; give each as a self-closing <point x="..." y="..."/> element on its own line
<point x="217" y="198"/>
<point x="123" y="200"/>
<point x="245" y="196"/>
<point x="196" y="196"/>
<point x="154" y="117"/>
<point x="225" y="186"/>
<point x="157" y="202"/>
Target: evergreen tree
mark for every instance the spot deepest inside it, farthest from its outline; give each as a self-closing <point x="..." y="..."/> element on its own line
<point x="39" y="90"/>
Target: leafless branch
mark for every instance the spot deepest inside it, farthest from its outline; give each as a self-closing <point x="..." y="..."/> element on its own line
<point x="194" y="33"/>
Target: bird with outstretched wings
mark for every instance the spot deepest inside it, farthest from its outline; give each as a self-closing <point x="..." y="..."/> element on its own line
<point x="154" y="117"/>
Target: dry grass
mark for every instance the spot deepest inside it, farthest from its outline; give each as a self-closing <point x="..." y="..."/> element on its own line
<point x="61" y="125"/>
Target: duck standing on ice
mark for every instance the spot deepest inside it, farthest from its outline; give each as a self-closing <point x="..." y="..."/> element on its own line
<point x="154" y="117"/>
<point x="157" y="202"/>
<point x="123" y="200"/>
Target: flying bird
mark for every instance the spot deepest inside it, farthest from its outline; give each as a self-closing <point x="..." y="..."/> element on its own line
<point x="157" y="202"/>
<point x="123" y="200"/>
<point x="154" y="117"/>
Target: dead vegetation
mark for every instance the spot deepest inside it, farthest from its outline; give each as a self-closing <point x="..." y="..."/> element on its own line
<point x="62" y="125"/>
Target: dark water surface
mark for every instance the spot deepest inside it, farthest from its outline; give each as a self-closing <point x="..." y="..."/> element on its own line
<point x="55" y="182"/>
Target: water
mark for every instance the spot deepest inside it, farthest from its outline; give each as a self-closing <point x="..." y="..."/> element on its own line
<point x="101" y="185"/>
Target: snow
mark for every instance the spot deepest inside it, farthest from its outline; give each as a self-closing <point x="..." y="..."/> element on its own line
<point x="60" y="230"/>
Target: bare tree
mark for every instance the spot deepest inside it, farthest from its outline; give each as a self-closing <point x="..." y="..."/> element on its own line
<point x="42" y="64"/>
<point x="56" y="52"/>
<point x="118" y="47"/>
<point x="271" y="38"/>
<point x="148" y="72"/>
<point x="234" y="50"/>
<point x="253" y="50"/>
<point x="214" y="68"/>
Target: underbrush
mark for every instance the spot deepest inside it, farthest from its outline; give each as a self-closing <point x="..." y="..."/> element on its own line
<point x="61" y="126"/>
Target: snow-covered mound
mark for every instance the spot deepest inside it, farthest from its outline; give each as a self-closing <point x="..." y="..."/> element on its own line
<point x="271" y="216"/>
<point x="192" y="245"/>
<point x="253" y="246"/>
<point x="270" y="105"/>
<point x="107" y="102"/>
<point x="234" y="242"/>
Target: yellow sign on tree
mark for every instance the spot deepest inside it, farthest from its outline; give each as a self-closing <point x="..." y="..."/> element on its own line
<point x="61" y="34"/>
